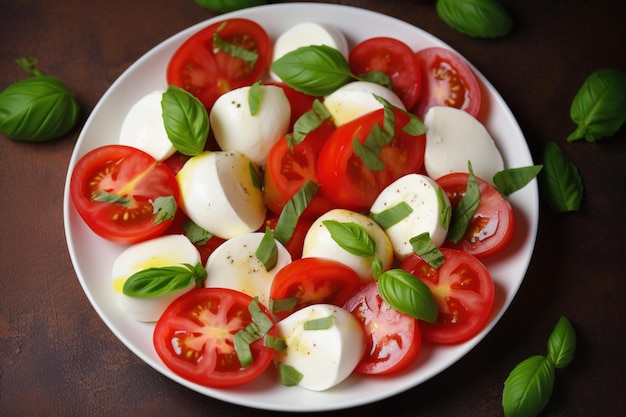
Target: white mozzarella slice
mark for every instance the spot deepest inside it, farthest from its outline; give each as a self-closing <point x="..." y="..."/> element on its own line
<point x="326" y="356"/>
<point x="429" y="204"/>
<point x="455" y="137"/>
<point x="356" y="99"/>
<point x="318" y="242"/>
<point x="237" y="129"/>
<point x="306" y="34"/>
<point x="143" y="128"/>
<point x="168" y="250"/>
<point x="234" y="265"/>
<point x="218" y="194"/>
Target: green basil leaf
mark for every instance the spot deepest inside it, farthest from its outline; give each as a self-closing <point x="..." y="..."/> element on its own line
<point x="351" y="237"/>
<point x="462" y="216"/>
<point x="38" y="108"/>
<point x="476" y="18"/>
<point x="562" y="343"/>
<point x="254" y="98"/>
<point x="154" y="282"/>
<point x="414" y="127"/>
<point x="275" y="343"/>
<point x="283" y="304"/>
<point x="103" y="196"/>
<point x="223" y="6"/>
<point x="408" y="295"/>
<point x="369" y="151"/>
<point x="289" y="376"/>
<point x="423" y="245"/>
<point x="308" y="122"/>
<point x="560" y="183"/>
<point x="377" y="267"/>
<point x="599" y="107"/>
<point x="257" y="180"/>
<point x="377" y="77"/>
<point x="528" y="387"/>
<point x="392" y="215"/>
<point x="254" y="331"/>
<point x="185" y="119"/>
<point x="267" y="252"/>
<point x="317" y="70"/>
<point x="195" y="233"/>
<point x="446" y="208"/>
<point x="164" y="208"/>
<point x="292" y="211"/>
<point x="322" y="323"/>
<point x="248" y="56"/>
<point x="510" y="180"/>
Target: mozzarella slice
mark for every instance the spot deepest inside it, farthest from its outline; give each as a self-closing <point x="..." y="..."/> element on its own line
<point x="168" y="250"/>
<point x="234" y="265"/>
<point x="237" y="129"/>
<point x="325" y="356"/>
<point x="429" y="204"/>
<point x="143" y="128"/>
<point x="218" y="194"/>
<point x="306" y="34"/>
<point x="455" y="137"/>
<point x="356" y="99"/>
<point x="318" y="242"/>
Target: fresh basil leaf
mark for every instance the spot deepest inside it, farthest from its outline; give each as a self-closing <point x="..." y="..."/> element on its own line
<point x="369" y="151"/>
<point x="38" y="108"/>
<point x="351" y="237"/>
<point x="223" y="6"/>
<point x="414" y="127"/>
<point x="308" y="122"/>
<point x="254" y="331"/>
<point x="322" y="323"/>
<point x="528" y="387"/>
<point x="408" y="295"/>
<point x="257" y="180"/>
<point x="267" y="252"/>
<point x="423" y="245"/>
<point x="446" y="209"/>
<point x="599" y="107"/>
<point x="275" y="343"/>
<point x="289" y="376"/>
<point x="103" y="196"/>
<point x="562" y="343"/>
<point x="292" y="211"/>
<point x="377" y="267"/>
<point x="185" y="119"/>
<point x="377" y="77"/>
<point x="317" y="70"/>
<point x="462" y="216"/>
<point x="560" y="183"/>
<point x="392" y="215"/>
<point x="164" y="207"/>
<point x="248" y="56"/>
<point x="254" y="98"/>
<point x="195" y="233"/>
<point x="283" y="304"/>
<point x="154" y="282"/>
<point x="510" y="180"/>
<point x="476" y="18"/>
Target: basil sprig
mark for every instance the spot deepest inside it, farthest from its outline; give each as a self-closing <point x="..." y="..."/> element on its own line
<point x="407" y="294"/>
<point x="185" y="119"/>
<point x="528" y="387"/>
<point x="599" y="107"/>
<point x="560" y="183"/>
<point x="38" y="108"/>
<point x="154" y="282"/>
<point x="476" y="18"/>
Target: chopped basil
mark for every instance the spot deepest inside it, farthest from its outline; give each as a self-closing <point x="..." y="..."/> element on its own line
<point x="377" y="77"/>
<point x="560" y="183"/>
<point x="408" y="295"/>
<point x="257" y="180"/>
<point x="283" y="304"/>
<point x="254" y="331"/>
<point x="195" y="233"/>
<point x="164" y="208"/>
<point x="510" y="180"/>
<point x="290" y="215"/>
<point x="267" y="252"/>
<point x="250" y="57"/>
<point x="351" y="237"/>
<point x="154" y="282"/>
<point x="392" y="215"/>
<point x="103" y="196"/>
<point x="289" y="376"/>
<point x="254" y="98"/>
<point x="323" y="323"/>
<point x="465" y="210"/>
<point x="446" y="209"/>
<point x="275" y="343"/>
<point x="423" y="245"/>
<point x="185" y="119"/>
<point x="308" y="122"/>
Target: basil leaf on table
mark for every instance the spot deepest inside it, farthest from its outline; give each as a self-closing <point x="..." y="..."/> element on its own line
<point x="562" y="343"/>
<point x="599" y="107"/>
<point x="476" y="18"/>
<point x="223" y="6"/>
<point x="560" y="183"/>
<point x="528" y="387"/>
<point x="408" y="295"/>
<point x="186" y="120"/>
<point x="38" y="108"/>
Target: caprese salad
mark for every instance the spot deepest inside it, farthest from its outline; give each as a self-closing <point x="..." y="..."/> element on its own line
<point x="299" y="202"/>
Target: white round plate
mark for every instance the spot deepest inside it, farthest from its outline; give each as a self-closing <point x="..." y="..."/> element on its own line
<point x="92" y="256"/>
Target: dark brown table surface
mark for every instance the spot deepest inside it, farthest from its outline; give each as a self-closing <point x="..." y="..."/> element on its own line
<point x="59" y="359"/>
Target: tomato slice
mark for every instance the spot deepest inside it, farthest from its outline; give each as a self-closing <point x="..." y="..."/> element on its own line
<point x="207" y="72"/>
<point x="343" y="177"/>
<point x="447" y="80"/>
<point x="393" y="339"/>
<point x="464" y="292"/>
<point x="299" y="102"/>
<point x="194" y="338"/>
<point x="314" y="281"/>
<point x="288" y="169"/>
<point x="394" y="58"/>
<point x="493" y="225"/>
<point x="128" y="173"/>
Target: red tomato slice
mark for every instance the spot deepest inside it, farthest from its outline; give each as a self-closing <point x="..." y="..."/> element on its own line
<point x="493" y="225"/>
<point x="194" y="338"/>
<point x="300" y="103"/>
<point x="129" y="173"/>
<point x="314" y="281"/>
<point x="201" y="68"/>
<point x="393" y="339"/>
<point x="447" y="80"/>
<point x="464" y="292"/>
<point x="394" y="58"/>
<point x="343" y="177"/>
<point x="287" y="170"/>
<point x="296" y="243"/>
